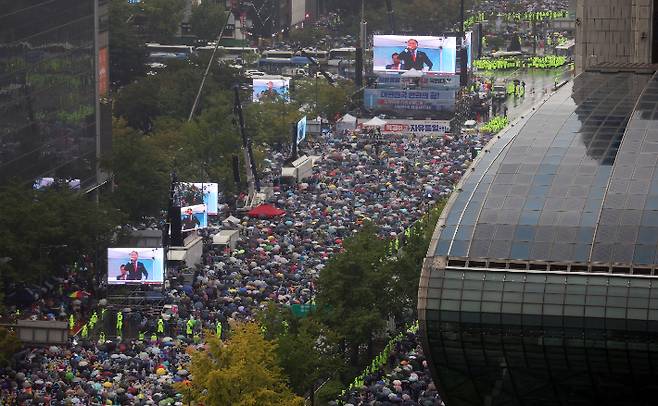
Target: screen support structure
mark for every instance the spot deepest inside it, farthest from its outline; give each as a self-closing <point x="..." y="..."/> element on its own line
<point x="252" y="174"/>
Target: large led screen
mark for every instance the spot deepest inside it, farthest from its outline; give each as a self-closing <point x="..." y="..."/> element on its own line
<point x="193" y="217"/>
<point x="270" y="89"/>
<point x="135" y="265"/>
<point x="423" y="53"/>
<point x="193" y="193"/>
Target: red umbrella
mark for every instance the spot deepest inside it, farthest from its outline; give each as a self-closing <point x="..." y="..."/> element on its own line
<point x="266" y="211"/>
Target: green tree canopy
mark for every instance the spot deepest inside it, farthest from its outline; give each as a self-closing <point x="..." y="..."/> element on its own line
<point x="207" y="20"/>
<point x="127" y="51"/>
<point x="163" y="18"/>
<point x="42" y="230"/>
<point x="243" y="371"/>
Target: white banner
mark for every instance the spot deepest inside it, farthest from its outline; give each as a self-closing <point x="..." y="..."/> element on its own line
<point x="419" y="127"/>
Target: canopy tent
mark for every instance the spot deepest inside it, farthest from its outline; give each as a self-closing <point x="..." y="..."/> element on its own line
<point x="231" y="221"/>
<point x="374" y="122"/>
<point x="266" y="211"/>
<point x="347" y="118"/>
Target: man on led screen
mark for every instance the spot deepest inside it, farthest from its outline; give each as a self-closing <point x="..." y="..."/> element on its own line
<point x="397" y="63"/>
<point x="135" y="268"/>
<point x="270" y="91"/>
<point x="411" y="57"/>
<point x="190" y="221"/>
<point x="123" y="273"/>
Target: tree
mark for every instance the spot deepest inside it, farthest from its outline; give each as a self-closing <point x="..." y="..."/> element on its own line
<point x="140" y="174"/>
<point x="270" y="121"/>
<point x="9" y="345"/>
<point x="350" y="290"/>
<point x="43" y="230"/>
<point x="207" y="20"/>
<point x="163" y="18"/>
<point x="318" y="97"/>
<point x="308" y="350"/>
<point x="242" y="371"/>
<point x="127" y="52"/>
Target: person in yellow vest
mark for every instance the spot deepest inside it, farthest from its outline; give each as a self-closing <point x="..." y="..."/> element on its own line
<point x="101" y="338"/>
<point x="154" y="337"/>
<point x="71" y="322"/>
<point x="190" y="326"/>
<point x="160" y="326"/>
<point x="119" y="322"/>
<point x="85" y="331"/>
<point x="218" y="329"/>
<point x="141" y="336"/>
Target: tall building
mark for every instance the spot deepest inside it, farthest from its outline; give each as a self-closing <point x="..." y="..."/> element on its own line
<point x="540" y="286"/>
<point x="54" y="79"/>
<point x="615" y="31"/>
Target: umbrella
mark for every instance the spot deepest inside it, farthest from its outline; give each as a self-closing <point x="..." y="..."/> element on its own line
<point x="79" y="294"/>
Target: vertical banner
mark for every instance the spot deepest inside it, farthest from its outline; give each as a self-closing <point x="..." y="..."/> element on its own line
<point x="103" y="72"/>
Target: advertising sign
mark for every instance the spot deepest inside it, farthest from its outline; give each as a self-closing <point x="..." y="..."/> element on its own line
<point x="416" y="100"/>
<point x="264" y="89"/>
<point x="394" y="53"/>
<point x="468" y="44"/>
<point x="135" y="265"/>
<point x="444" y="82"/>
<point x="301" y="130"/>
<point x="103" y="72"/>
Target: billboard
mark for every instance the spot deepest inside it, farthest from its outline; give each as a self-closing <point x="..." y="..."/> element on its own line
<point x="193" y="217"/>
<point x="190" y="194"/>
<point x="393" y="53"/>
<point x="135" y="265"/>
<point x="264" y="89"/>
<point x="410" y="100"/>
<point x="444" y="82"/>
<point x="42" y="183"/>
<point x="301" y="130"/>
<point x="420" y="127"/>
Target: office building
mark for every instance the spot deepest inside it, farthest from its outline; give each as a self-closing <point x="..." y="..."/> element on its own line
<point x="54" y="116"/>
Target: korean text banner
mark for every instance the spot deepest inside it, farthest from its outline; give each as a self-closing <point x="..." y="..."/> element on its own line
<point x="409" y="100"/>
<point x="264" y="89"/>
<point x="135" y="265"/>
<point x="422" y="53"/>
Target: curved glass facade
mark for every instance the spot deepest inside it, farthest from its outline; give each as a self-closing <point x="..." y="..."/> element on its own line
<point x="539" y="287"/>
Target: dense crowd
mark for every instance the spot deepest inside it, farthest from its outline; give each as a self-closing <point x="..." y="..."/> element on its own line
<point x="390" y="181"/>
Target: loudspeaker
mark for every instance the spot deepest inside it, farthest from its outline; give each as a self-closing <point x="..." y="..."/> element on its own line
<point x="175" y="221"/>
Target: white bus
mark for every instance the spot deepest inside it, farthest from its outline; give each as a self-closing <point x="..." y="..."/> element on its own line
<point x="179" y="50"/>
<point x="321" y="57"/>
<point x="241" y="55"/>
<point x="272" y="54"/>
<point x="342" y="56"/>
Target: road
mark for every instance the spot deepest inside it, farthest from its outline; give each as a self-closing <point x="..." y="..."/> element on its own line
<point x="538" y="83"/>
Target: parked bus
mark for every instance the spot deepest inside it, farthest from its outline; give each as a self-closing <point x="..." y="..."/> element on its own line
<point x="277" y="54"/>
<point x="283" y="65"/>
<point x="342" y="56"/>
<point x="321" y="57"/>
<point x="158" y="53"/>
<point x="240" y="55"/>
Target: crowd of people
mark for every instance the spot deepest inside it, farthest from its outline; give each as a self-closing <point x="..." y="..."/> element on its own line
<point x="389" y="181"/>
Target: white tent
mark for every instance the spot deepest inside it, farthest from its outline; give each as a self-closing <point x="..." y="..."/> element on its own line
<point x="374" y="122"/>
<point x="347" y="118"/>
<point x="347" y="122"/>
<point x="231" y="221"/>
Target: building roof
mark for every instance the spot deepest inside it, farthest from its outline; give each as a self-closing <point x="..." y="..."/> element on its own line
<point x="573" y="181"/>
